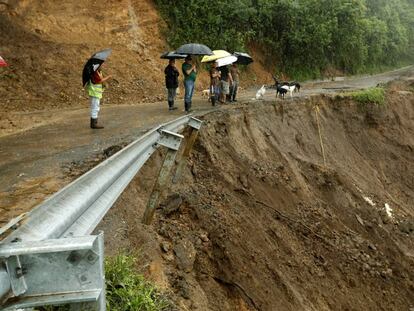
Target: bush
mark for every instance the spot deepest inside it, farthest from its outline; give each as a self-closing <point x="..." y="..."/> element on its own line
<point x="126" y="290"/>
<point x="374" y="95"/>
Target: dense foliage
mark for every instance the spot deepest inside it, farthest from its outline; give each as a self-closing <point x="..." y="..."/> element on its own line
<point x="305" y="37"/>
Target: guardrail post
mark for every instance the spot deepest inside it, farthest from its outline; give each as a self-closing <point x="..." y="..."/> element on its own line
<point x="172" y="141"/>
<point x="55" y="272"/>
<point x="195" y="125"/>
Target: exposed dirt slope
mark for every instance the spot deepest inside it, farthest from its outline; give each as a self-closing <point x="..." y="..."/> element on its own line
<point x="258" y="223"/>
<point x="47" y="43"/>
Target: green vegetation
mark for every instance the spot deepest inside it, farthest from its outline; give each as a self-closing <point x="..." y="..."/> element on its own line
<point x="126" y="290"/>
<point x="303" y="38"/>
<point x="374" y="95"/>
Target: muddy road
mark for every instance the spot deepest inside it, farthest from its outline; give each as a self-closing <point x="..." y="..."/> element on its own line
<point x="40" y="152"/>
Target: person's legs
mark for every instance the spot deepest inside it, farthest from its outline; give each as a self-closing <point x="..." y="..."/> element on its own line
<point x="231" y="91"/>
<point x="189" y="90"/>
<point x="94" y="112"/>
<point x="186" y="93"/>
<point x="214" y="94"/>
<point x="222" y="94"/>
<point x="171" y="97"/>
<point x="94" y="107"/>
<point x="225" y="90"/>
<point x="174" y="95"/>
<point x="234" y="90"/>
<point x="192" y="93"/>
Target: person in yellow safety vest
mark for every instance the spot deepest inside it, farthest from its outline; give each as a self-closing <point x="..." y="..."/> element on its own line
<point x="95" y="90"/>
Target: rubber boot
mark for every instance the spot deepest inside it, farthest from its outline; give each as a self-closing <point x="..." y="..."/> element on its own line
<point x="171" y="105"/>
<point x="94" y="124"/>
<point x="213" y="100"/>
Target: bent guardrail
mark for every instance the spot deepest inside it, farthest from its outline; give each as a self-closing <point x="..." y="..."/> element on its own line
<point x="54" y="236"/>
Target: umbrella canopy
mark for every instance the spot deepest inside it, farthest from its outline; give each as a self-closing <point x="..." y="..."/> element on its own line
<point x="226" y="61"/>
<point x="3" y="62"/>
<point x="172" y="55"/>
<point x="93" y="64"/>
<point x="216" y="55"/>
<point x="102" y="55"/>
<point x="194" y="49"/>
<point x="243" y="58"/>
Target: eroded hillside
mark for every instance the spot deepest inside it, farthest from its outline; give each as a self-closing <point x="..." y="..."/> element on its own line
<point x="47" y="43"/>
<point x="258" y="222"/>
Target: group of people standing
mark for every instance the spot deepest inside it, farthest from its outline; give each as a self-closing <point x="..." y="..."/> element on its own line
<point x="224" y="83"/>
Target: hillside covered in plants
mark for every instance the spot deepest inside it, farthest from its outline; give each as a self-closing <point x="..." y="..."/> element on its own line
<point x="304" y="38"/>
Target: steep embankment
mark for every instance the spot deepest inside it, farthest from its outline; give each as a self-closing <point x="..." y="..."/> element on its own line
<point x="47" y="43"/>
<point x="259" y="223"/>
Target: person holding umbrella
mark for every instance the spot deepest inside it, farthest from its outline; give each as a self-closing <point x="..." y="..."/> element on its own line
<point x="190" y="75"/>
<point x="95" y="89"/>
<point x="93" y="79"/>
<point x="171" y="82"/>
<point x="189" y="69"/>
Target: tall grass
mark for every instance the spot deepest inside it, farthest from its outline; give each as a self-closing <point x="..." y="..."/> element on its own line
<point x="127" y="290"/>
<point x="374" y="95"/>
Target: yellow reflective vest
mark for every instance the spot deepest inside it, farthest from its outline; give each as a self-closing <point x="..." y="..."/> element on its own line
<point x="95" y="90"/>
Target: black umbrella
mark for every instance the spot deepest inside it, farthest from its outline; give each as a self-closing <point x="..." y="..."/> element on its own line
<point x="93" y="64"/>
<point x="194" y="49"/>
<point x="172" y="55"/>
<point x="243" y="58"/>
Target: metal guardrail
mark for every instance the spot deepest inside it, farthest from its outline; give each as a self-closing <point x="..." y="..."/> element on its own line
<point x="59" y="224"/>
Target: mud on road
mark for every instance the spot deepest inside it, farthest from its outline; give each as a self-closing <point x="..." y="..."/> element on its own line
<point x="40" y="152"/>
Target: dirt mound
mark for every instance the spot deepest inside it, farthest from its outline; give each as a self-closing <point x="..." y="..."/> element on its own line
<point x="259" y="223"/>
<point x="47" y="43"/>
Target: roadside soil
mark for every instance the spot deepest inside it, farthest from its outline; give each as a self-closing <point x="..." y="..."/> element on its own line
<point x="47" y="43"/>
<point x="52" y="147"/>
<point x="259" y="222"/>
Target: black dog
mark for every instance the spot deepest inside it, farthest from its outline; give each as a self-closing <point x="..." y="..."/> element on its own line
<point x="281" y="91"/>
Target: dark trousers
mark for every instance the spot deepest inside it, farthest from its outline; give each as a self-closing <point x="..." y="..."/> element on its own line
<point x="233" y="90"/>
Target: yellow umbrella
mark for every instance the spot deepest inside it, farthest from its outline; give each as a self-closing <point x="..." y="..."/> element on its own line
<point x="216" y="55"/>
